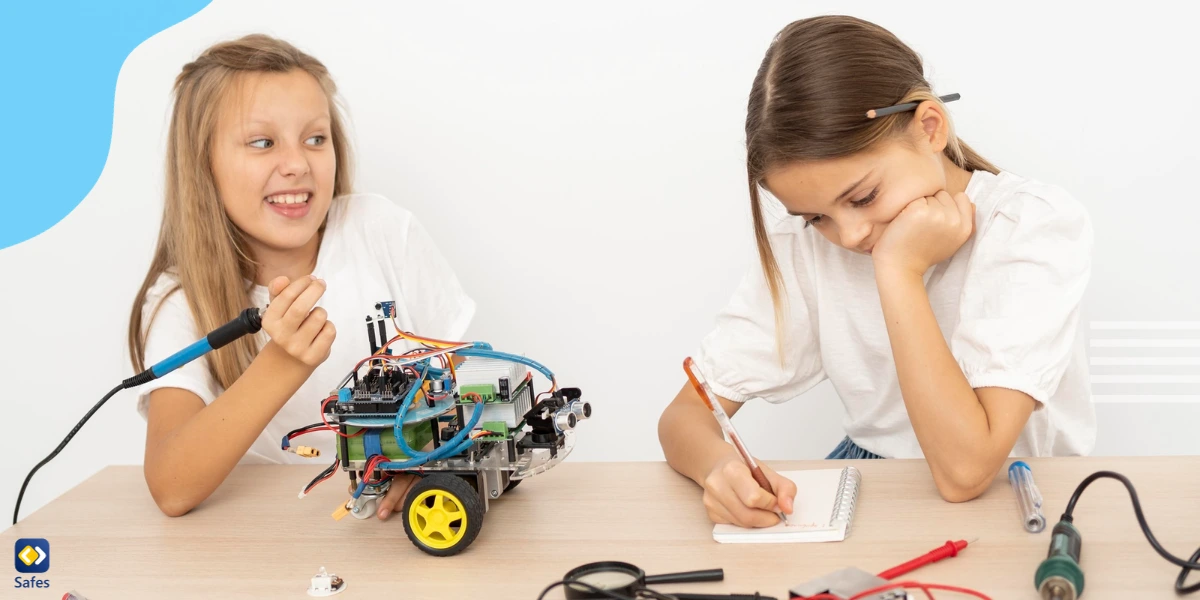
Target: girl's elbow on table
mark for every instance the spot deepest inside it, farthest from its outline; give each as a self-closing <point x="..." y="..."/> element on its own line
<point x="963" y="484"/>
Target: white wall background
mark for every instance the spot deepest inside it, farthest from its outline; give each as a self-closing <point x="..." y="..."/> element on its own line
<point x="594" y="153"/>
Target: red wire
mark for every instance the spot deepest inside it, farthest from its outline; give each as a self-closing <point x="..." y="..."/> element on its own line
<point x="367" y="470"/>
<point x="319" y="481"/>
<point x="308" y="430"/>
<point x="924" y="587"/>
<point x="947" y="550"/>
<point x="331" y="427"/>
<point x="959" y="590"/>
<point x="325" y="428"/>
<point x="434" y="352"/>
<point x="371" y="466"/>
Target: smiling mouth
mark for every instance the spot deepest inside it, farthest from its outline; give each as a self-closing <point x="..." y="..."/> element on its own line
<point x="288" y="199"/>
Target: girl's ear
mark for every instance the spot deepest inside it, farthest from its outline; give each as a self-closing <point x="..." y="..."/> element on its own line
<point x="931" y="126"/>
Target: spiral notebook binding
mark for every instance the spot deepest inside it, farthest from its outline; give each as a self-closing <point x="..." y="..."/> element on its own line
<point x="847" y="496"/>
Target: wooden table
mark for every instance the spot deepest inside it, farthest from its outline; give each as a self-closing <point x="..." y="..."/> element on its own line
<point x="255" y="539"/>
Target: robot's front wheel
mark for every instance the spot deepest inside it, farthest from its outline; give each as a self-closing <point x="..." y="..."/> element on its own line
<point x="442" y="514"/>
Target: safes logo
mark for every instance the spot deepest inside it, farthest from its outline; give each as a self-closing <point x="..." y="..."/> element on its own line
<point x="32" y="555"/>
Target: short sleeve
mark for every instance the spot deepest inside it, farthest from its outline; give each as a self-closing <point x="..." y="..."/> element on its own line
<point x="171" y="330"/>
<point x="435" y="299"/>
<point x="740" y="357"/>
<point x="1020" y="309"/>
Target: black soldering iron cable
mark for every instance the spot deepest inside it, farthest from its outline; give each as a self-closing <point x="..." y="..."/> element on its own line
<point x="1187" y="565"/>
<point x="246" y="323"/>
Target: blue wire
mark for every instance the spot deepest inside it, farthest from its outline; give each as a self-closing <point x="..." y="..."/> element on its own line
<point x="398" y="428"/>
<point x="454" y="446"/>
<point x="362" y="485"/>
<point x="489" y="353"/>
<point x="459" y="443"/>
<point x="447" y="450"/>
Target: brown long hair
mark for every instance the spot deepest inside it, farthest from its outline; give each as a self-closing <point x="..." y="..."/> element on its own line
<point x="809" y="101"/>
<point x="206" y="251"/>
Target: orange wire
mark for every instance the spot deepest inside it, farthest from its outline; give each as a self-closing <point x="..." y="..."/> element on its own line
<point x="424" y="340"/>
<point x="406" y="356"/>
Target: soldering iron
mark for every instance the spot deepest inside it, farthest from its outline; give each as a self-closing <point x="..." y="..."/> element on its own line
<point x="248" y="322"/>
<point x="1060" y="576"/>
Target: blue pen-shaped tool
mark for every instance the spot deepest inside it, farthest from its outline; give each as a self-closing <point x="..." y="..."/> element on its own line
<point x="1029" y="499"/>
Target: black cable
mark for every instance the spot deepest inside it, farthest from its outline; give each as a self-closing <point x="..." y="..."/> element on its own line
<point x="249" y="321"/>
<point x="328" y="472"/>
<point x="305" y="428"/>
<point x="135" y="380"/>
<point x="605" y="593"/>
<point x="1187" y="565"/>
<point x="588" y="587"/>
<point x="1183" y="575"/>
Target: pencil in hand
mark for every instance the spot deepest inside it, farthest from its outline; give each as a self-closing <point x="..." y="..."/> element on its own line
<point x="710" y="400"/>
<point x="765" y="484"/>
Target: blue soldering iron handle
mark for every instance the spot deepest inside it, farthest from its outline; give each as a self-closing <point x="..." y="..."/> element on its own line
<point x="247" y="323"/>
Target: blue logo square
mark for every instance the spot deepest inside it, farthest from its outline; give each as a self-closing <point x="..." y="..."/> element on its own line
<point x="32" y="555"/>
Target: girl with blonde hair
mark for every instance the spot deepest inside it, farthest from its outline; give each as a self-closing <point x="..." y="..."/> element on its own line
<point x="259" y="210"/>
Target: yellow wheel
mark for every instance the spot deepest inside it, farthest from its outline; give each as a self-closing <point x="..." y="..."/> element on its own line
<point x="442" y="514"/>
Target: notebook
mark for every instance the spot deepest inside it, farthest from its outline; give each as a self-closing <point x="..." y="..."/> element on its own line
<point x="824" y="509"/>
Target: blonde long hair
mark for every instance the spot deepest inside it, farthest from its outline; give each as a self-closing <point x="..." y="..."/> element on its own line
<point x="809" y="101"/>
<point x="207" y="252"/>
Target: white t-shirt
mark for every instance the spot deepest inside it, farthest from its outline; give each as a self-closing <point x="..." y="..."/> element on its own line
<point x="373" y="250"/>
<point x="1008" y="304"/>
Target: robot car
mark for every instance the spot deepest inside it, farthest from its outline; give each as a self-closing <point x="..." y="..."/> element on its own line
<point x="462" y="417"/>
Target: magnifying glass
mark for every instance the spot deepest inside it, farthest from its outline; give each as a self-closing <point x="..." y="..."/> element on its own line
<point x="626" y="580"/>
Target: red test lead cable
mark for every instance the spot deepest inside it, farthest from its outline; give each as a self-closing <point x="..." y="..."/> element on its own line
<point x="945" y="551"/>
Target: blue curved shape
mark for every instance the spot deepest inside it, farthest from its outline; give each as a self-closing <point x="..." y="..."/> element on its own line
<point x="529" y="362"/>
<point x="61" y="61"/>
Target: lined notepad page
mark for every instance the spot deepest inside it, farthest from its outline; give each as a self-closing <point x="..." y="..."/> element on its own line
<point x="819" y="493"/>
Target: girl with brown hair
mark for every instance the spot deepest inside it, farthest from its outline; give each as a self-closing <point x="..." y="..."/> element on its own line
<point x="938" y="293"/>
